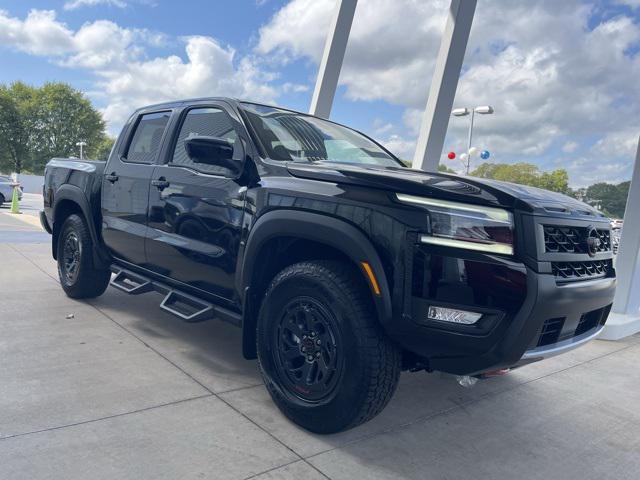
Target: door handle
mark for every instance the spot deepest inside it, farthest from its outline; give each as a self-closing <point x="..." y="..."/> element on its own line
<point x="160" y="183"/>
<point x="112" y="177"/>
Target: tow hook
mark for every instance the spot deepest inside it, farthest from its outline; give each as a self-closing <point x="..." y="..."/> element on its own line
<point x="469" y="381"/>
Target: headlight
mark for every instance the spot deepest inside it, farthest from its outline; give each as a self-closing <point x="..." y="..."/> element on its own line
<point x="463" y="225"/>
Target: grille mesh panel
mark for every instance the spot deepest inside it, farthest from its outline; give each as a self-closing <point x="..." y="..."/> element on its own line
<point x="572" y="239"/>
<point x="567" y="271"/>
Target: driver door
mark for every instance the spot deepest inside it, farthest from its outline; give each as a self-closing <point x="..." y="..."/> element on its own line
<point x="195" y="212"/>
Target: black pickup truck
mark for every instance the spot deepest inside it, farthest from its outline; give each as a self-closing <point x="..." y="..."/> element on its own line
<point x="342" y="267"/>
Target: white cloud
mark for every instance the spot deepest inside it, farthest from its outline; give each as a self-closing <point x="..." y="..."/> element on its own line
<point x="289" y="87"/>
<point x="630" y="3"/>
<point x="401" y="147"/>
<point x="126" y="78"/>
<point x="74" y="4"/>
<point x="209" y="70"/>
<point x="380" y="127"/>
<point x="623" y="143"/>
<point x="570" y="146"/>
<point x="39" y="34"/>
<point x="548" y="75"/>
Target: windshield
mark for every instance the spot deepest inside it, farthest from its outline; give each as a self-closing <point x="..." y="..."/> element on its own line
<point x="294" y="136"/>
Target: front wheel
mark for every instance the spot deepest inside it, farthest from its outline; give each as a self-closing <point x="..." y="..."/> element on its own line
<point x="78" y="275"/>
<point x="325" y="360"/>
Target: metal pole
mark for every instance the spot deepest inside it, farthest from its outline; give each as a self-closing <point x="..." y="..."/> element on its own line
<point x="332" y="58"/>
<point x="444" y="84"/>
<point x="624" y="319"/>
<point x="473" y="112"/>
<point x="81" y="156"/>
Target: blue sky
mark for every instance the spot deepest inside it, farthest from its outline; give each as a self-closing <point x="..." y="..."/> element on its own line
<point x="562" y="76"/>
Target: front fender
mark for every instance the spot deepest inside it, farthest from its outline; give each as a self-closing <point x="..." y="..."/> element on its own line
<point x="320" y="228"/>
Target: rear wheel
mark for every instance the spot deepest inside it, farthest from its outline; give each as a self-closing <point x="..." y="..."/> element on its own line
<point x="78" y="275"/>
<point x="325" y="360"/>
<point x="2" y="199"/>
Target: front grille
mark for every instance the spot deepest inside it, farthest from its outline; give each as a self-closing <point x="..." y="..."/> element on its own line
<point x="573" y="239"/>
<point x="550" y="331"/>
<point x="588" y="321"/>
<point x="571" y="271"/>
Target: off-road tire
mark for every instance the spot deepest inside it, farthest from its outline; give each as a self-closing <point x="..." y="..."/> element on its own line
<point x="87" y="280"/>
<point x="371" y="362"/>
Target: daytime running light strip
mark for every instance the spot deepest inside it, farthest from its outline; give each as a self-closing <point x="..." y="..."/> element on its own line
<point x="493" y="213"/>
<point x="481" y="247"/>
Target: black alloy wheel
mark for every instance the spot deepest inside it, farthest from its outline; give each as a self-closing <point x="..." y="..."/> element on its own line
<point x="71" y="252"/>
<point x="307" y="353"/>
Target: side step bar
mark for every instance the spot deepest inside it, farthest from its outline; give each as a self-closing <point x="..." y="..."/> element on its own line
<point x="185" y="306"/>
<point x="131" y="283"/>
<point x="188" y="308"/>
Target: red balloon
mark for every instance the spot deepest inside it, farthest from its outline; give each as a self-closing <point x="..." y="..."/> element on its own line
<point x="451" y="155"/>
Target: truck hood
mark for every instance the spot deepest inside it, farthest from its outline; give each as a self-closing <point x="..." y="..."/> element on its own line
<point x="446" y="186"/>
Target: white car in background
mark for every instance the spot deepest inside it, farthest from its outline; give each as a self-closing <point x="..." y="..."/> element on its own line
<point x="6" y="189"/>
<point x="616" y="223"/>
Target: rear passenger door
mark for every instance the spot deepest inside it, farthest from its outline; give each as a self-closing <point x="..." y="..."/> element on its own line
<point x="195" y="212"/>
<point x="125" y="187"/>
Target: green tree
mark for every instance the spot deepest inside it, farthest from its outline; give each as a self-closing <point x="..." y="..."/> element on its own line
<point x="609" y="197"/>
<point x="16" y="125"/>
<point x="63" y="117"/>
<point x="104" y="148"/>
<point x="525" y="174"/>
<point x="444" y="169"/>
<point x="37" y="124"/>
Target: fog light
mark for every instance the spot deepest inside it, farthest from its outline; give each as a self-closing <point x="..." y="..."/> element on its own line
<point x="454" y="316"/>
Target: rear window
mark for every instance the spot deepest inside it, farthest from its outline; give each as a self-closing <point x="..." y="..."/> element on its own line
<point x="145" y="144"/>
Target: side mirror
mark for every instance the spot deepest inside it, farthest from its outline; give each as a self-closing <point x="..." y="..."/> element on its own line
<point x="212" y="151"/>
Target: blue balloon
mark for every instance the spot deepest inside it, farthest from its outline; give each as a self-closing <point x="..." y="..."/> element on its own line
<point x="485" y="154"/>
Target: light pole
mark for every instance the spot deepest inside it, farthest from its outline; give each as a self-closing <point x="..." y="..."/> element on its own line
<point x="463" y="112"/>
<point x="81" y="144"/>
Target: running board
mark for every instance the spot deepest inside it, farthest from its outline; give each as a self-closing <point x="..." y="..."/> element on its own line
<point x="187" y="307"/>
<point x="131" y="283"/>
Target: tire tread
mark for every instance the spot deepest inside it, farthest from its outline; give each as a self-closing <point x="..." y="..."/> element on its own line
<point x="381" y="357"/>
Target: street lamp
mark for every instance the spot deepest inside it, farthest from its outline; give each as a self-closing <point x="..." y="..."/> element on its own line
<point x="463" y="112"/>
<point x="81" y="144"/>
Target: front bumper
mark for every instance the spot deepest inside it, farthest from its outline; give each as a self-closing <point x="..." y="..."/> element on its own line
<point x="540" y="353"/>
<point x="510" y="336"/>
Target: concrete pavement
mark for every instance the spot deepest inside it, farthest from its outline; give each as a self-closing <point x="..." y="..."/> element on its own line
<point x="115" y="388"/>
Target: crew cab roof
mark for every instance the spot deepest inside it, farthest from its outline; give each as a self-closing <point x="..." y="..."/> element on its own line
<point x="188" y="101"/>
<point x="182" y="102"/>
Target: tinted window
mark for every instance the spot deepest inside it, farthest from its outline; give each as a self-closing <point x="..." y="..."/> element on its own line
<point x="146" y="140"/>
<point x="294" y="136"/>
<point x="204" y="122"/>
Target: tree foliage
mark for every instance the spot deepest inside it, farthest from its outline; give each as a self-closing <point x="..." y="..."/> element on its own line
<point x="444" y="169"/>
<point x="525" y="174"/>
<point x="16" y="126"/>
<point x="37" y="124"/>
<point x="104" y="148"/>
<point x="608" y="197"/>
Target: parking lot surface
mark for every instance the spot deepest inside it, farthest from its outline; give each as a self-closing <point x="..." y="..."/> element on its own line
<point x="115" y="388"/>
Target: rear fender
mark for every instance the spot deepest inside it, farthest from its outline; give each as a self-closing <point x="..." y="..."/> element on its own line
<point x="71" y="193"/>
